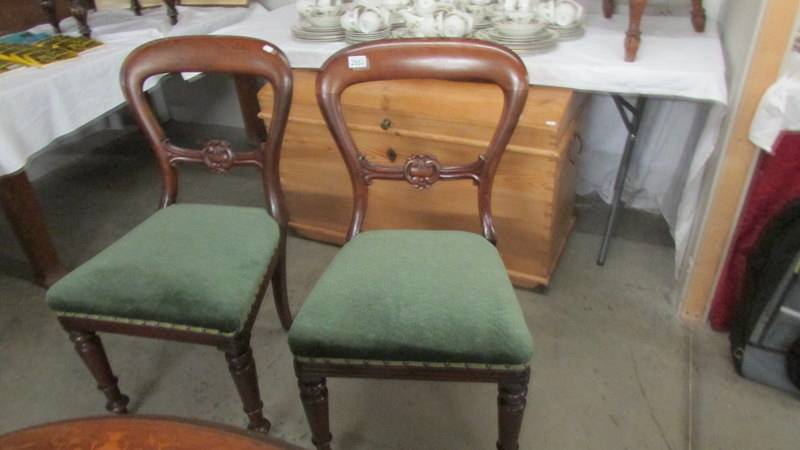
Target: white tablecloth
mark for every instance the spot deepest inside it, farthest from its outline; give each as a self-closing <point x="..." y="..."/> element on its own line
<point x="673" y="61"/>
<point x="42" y="104"/>
<point x="684" y="69"/>
<point x="779" y="108"/>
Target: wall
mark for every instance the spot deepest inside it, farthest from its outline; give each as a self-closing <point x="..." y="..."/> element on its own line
<point x="738" y="22"/>
<point x="728" y="176"/>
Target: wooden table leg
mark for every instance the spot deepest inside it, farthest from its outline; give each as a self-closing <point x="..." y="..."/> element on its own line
<point x="634" y="35"/>
<point x="247" y="91"/>
<point x="78" y="10"/>
<point x="50" y="9"/>
<point x="698" y="16"/>
<point x="608" y="8"/>
<point x="22" y="209"/>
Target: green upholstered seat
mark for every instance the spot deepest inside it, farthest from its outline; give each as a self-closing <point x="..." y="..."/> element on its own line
<point x="417" y="296"/>
<point x="189" y="265"/>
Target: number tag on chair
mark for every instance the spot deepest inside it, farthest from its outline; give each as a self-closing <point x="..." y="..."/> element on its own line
<point x="358" y="62"/>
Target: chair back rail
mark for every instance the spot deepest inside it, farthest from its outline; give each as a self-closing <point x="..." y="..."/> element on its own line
<point x="247" y="60"/>
<point x="451" y="59"/>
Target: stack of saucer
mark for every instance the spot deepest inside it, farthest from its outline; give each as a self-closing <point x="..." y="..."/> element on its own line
<point x="483" y="24"/>
<point x="540" y="41"/>
<point x="355" y="37"/>
<point x="307" y="32"/>
<point x="568" y="33"/>
<point x="402" y="33"/>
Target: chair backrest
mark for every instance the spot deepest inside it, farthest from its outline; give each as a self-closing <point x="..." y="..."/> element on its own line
<point x="451" y="59"/>
<point x="246" y="59"/>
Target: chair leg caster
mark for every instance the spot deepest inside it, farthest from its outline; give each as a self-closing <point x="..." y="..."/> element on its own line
<point x="259" y="424"/>
<point x="118" y="405"/>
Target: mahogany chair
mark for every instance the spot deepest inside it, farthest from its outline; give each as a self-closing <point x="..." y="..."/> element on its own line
<point x="190" y="272"/>
<point x="416" y="304"/>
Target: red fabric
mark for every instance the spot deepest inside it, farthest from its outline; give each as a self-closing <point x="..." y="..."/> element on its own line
<point x="776" y="183"/>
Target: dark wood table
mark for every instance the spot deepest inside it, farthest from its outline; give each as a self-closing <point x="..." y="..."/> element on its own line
<point x="138" y="432"/>
<point x="18" y="202"/>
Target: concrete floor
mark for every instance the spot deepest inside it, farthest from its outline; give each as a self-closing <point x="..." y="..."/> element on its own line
<point x="614" y="368"/>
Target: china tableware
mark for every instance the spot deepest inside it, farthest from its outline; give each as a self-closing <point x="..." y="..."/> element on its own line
<point x="567" y="12"/>
<point x="456" y="23"/>
<point x="512" y="27"/>
<point x="355" y="36"/>
<point x="427" y="25"/>
<point x="544" y="40"/>
<point x="424" y="7"/>
<point x="365" y="19"/>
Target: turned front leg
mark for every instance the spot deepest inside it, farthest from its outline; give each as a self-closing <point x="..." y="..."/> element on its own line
<point x="91" y="351"/>
<point x="608" y="8"/>
<point x="243" y="371"/>
<point x="633" y="36"/>
<point x="511" y="400"/>
<point x="698" y="16"/>
<point x="314" y="395"/>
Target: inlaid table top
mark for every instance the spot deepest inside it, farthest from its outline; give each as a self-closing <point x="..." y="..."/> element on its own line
<point x="137" y="432"/>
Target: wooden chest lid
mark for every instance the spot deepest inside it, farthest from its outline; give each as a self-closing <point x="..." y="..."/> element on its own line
<point x="431" y="108"/>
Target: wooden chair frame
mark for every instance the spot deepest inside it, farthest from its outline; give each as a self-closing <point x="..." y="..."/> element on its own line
<point x="455" y="60"/>
<point x="247" y="59"/>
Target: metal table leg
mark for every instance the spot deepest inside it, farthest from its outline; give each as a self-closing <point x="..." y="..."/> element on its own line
<point x="632" y="118"/>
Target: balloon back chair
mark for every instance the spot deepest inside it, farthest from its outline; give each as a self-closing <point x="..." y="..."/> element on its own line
<point x="190" y="272"/>
<point x="416" y="304"/>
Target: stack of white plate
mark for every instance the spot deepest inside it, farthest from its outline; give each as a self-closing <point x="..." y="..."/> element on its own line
<point x="307" y="32"/>
<point x="355" y="37"/>
<point x="569" y="33"/>
<point x="485" y="23"/>
<point x="541" y="41"/>
<point x="402" y="33"/>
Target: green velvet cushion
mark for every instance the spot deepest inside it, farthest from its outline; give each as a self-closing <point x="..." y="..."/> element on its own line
<point x="412" y="295"/>
<point x="191" y="265"/>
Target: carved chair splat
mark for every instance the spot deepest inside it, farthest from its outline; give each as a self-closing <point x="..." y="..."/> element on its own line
<point x="455" y="60"/>
<point x="107" y="310"/>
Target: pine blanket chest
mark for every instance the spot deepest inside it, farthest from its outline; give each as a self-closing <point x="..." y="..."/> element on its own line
<point x="534" y="189"/>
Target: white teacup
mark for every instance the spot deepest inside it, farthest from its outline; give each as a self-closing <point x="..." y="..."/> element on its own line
<point x="520" y="16"/>
<point x="546" y="11"/>
<point x="372" y="20"/>
<point x="478" y="12"/>
<point x="567" y="13"/>
<point x="365" y="19"/>
<point x="394" y="4"/>
<point x="424" y="7"/>
<point x="372" y="3"/>
<point x="456" y="24"/>
<point x="428" y="25"/>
